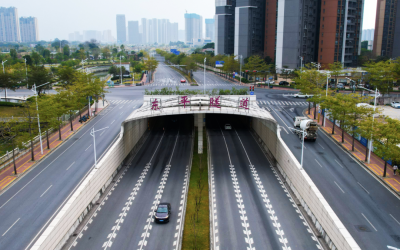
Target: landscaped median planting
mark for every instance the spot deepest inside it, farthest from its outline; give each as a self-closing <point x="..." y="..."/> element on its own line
<point x="197" y="223"/>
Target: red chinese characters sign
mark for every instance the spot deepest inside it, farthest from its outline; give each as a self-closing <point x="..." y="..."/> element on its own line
<point x="184" y="100"/>
<point x="244" y="103"/>
<point x="154" y="104"/>
<point x="215" y="102"/>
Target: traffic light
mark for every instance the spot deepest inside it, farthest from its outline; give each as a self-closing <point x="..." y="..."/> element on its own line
<point x="246" y="71"/>
<point x="250" y="88"/>
<point x="253" y="88"/>
<point x="254" y="71"/>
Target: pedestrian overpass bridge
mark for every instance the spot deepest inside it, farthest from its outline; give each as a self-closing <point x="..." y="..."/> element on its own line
<point x="133" y="133"/>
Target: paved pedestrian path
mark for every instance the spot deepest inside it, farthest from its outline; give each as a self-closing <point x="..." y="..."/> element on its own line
<point x="376" y="165"/>
<point x="7" y="175"/>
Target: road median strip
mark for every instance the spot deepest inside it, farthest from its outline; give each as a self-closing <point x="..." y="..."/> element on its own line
<point x="197" y="224"/>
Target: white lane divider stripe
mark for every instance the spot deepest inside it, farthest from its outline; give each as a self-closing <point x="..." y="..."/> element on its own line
<point x="129" y="202"/>
<point x="181" y="213"/>
<point x="163" y="182"/>
<point x="239" y="200"/>
<point x="267" y="202"/>
<point x="11" y="226"/>
<point x="46" y="191"/>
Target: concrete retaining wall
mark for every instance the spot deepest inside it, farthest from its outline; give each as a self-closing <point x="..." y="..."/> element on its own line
<point x="326" y="221"/>
<point x="87" y="193"/>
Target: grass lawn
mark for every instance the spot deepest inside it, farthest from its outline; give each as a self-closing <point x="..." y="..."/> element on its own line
<point x="10" y="111"/>
<point x="196" y="234"/>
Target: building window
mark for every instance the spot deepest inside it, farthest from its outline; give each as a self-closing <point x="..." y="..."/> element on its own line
<point x="322" y="34"/>
<point x="322" y="26"/>
<point x="324" y="2"/>
<point x="323" y="18"/>
<point x="323" y="11"/>
<point x="321" y="49"/>
<point x="322" y="42"/>
<point x="320" y="58"/>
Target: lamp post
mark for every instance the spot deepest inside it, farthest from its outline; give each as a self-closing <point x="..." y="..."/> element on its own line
<point x="120" y="67"/>
<point x="327" y="82"/>
<point x="240" y="74"/>
<point x="301" y="63"/>
<point x="5" y="89"/>
<point x="370" y="140"/>
<point x="26" y="70"/>
<point x="205" y="59"/>
<point x="92" y="133"/>
<point x="34" y="89"/>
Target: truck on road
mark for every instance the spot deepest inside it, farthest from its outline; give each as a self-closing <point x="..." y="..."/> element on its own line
<point x="309" y="126"/>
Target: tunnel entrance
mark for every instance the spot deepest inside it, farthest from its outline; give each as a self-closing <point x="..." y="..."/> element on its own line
<point x="169" y="122"/>
<point x="216" y="121"/>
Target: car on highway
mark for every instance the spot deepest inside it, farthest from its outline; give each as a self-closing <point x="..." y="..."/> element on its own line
<point x="183" y="80"/>
<point x="228" y="127"/>
<point x="395" y="105"/>
<point x="163" y="212"/>
<point x="284" y="83"/>
<point x="301" y="95"/>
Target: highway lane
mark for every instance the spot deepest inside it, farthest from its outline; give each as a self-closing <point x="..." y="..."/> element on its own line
<point x="251" y="205"/>
<point x="366" y="207"/>
<point x="29" y="204"/>
<point x="167" y="156"/>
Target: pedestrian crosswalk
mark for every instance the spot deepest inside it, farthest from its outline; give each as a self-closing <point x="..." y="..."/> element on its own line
<point x="282" y="103"/>
<point x="123" y="101"/>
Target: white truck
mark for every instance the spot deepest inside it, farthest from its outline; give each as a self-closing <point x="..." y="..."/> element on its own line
<point x="301" y="95"/>
<point x="309" y="126"/>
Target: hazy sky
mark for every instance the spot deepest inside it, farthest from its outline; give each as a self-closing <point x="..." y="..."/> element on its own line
<point x="59" y="18"/>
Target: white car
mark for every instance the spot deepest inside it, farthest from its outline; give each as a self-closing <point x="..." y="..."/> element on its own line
<point x="395" y="105"/>
<point x="301" y="95"/>
<point x="228" y="127"/>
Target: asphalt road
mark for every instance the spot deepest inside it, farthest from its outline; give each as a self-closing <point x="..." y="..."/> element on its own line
<point x="253" y="210"/>
<point x="366" y="207"/>
<point x="159" y="167"/>
<point x="28" y="205"/>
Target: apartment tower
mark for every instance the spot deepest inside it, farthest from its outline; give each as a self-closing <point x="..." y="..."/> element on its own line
<point x="387" y="29"/>
<point x="193" y="27"/>
<point x="29" y="29"/>
<point x="9" y="25"/>
<point x="121" y="29"/>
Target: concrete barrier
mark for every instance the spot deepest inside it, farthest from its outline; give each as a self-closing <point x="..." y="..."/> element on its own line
<point x="78" y="205"/>
<point x="324" y="218"/>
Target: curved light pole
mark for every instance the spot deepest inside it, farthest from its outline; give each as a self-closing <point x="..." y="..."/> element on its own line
<point x="92" y="133"/>
<point x="5" y="89"/>
<point x="327" y="82"/>
<point x="34" y="89"/>
<point x="205" y="59"/>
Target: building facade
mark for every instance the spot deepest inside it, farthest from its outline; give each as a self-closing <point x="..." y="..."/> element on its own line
<point x="133" y="32"/>
<point x="210" y="28"/>
<point x="368" y="35"/>
<point x="387" y="29"/>
<point x="193" y="27"/>
<point x="29" y="29"/>
<point x="9" y="25"/>
<point x="144" y="31"/>
<point x="224" y="27"/>
<point x="121" y="29"/>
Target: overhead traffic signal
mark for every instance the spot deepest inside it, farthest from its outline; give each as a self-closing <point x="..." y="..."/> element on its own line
<point x="253" y="88"/>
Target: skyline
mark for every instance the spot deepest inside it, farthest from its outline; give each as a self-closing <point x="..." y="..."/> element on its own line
<point x="51" y="24"/>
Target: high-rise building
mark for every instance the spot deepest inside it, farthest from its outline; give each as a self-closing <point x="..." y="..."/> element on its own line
<point x="324" y="31"/>
<point x="193" y="27"/>
<point x="144" y="31"/>
<point x="162" y="31"/>
<point x="121" y="29"/>
<point x="133" y="32"/>
<point x="107" y="37"/>
<point x="174" y="32"/>
<point x="340" y="32"/>
<point x="239" y="27"/>
<point x="29" y="29"/>
<point x="152" y="30"/>
<point x="71" y="37"/>
<point x="210" y="27"/>
<point x="224" y="26"/>
<point x="9" y="25"/>
<point x="367" y="35"/>
<point x="90" y="34"/>
<point x="387" y="29"/>
<point x="295" y="24"/>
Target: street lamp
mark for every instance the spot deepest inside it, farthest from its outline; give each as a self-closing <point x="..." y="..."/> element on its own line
<point x="370" y="141"/>
<point x="26" y="70"/>
<point x="301" y="63"/>
<point x="34" y="89"/>
<point x="302" y="131"/>
<point x="5" y="89"/>
<point x="120" y="67"/>
<point x="327" y="82"/>
<point x="317" y="65"/>
<point x="205" y="59"/>
<point x="92" y="133"/>
<point x="240" y="76"/>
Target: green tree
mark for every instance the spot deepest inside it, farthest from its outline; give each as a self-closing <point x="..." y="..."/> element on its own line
<point x="66" y="75"/>
<point x="381" y="75"/>
<point x="39" y="75"/>
<point x="36" y="58"/>
<point x="336" y="70"/>
<point x="30" y="129"/>
<point x="13" y="54"/>
<point x="386" y="139"/>
<point x="66" y="50"/>
<point x="8" y="81"/>
<point x="255" y="63"/>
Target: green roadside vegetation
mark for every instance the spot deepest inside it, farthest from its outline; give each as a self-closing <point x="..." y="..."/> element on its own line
<point x="177" y="91"/>
<point x="196" y="233"/>
<point x="9" y="111"/>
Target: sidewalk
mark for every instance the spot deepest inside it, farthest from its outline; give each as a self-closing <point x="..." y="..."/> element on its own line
<point x="25" y="162"/>
<point x="376" y="165"/>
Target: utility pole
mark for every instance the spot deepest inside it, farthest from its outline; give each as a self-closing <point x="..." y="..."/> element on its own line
<point x="327" y="80"/>
<point x="205" y="59"/>
<point x="240" y="74"/>
<point x="120" y="67"/>
<point x="34" y="89"/>
<point x="92" y="133"/>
